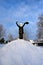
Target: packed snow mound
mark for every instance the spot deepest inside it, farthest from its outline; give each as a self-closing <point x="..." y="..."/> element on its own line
<point x="21" y="52"/>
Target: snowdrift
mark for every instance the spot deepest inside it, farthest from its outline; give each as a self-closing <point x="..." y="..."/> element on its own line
<point x="21" y="52"/>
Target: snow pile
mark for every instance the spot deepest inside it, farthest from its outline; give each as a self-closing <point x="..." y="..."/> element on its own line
<point x="20" y="52"/>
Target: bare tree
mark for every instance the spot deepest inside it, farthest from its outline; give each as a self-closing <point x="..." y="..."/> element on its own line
<point x="40" y="27"/>
<point x="10" y="37"/>
<point x="2" y="31"/>
<point x="25" y="35"/>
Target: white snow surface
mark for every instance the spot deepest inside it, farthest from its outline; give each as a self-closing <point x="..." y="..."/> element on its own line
<point x="21" y="52"/>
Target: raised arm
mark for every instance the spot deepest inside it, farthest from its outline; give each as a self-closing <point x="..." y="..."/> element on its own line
<point x="25" y="23"/>
<point x="17" y="24"/>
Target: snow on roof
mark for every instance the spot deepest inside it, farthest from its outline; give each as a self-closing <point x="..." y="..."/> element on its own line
<point x="21" y="52"/>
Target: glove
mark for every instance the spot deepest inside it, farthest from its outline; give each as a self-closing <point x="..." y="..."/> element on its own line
<point x="26" y="22"/>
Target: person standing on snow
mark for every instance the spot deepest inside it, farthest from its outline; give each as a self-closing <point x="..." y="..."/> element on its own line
<point x="21" y="31"/>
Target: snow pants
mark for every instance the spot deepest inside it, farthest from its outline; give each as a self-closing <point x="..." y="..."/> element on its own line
<point x="20" y="36"/>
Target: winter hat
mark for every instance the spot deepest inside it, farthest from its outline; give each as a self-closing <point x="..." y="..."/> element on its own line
<point x="21" y="24"/>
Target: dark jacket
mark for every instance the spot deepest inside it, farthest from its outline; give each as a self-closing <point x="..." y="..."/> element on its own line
<point x="20" y="29"/>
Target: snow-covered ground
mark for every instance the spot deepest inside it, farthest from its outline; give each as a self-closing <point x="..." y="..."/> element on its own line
<point x="1" y="45"/>
<point x="21" y="52"/>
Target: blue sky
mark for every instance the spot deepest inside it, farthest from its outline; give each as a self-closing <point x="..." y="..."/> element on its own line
<point x="21" y="11"/>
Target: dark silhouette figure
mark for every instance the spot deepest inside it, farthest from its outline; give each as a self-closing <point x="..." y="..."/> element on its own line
<point x="21" y="31"/>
